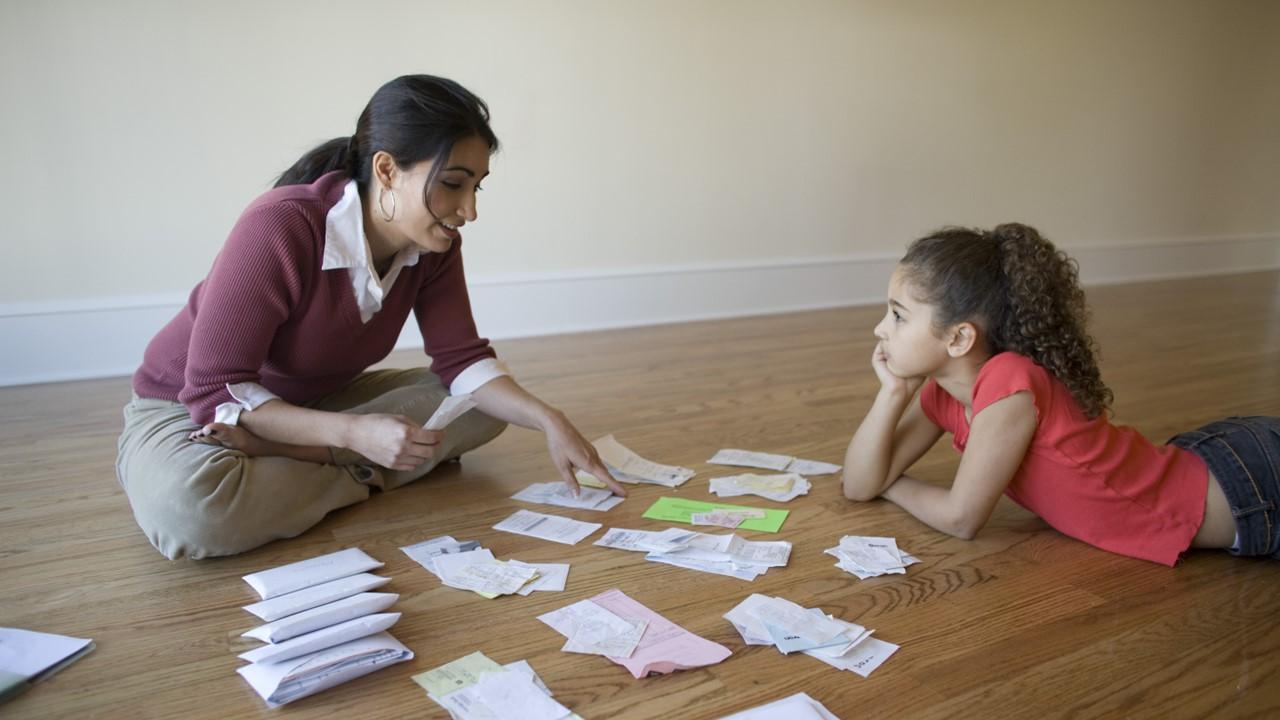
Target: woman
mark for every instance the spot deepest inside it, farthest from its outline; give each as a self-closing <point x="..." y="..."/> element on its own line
<point x="253" y="414"/>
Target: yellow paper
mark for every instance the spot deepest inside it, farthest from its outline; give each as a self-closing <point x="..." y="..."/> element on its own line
<point x="767" y="483"/>
<point x="463" y="672"/>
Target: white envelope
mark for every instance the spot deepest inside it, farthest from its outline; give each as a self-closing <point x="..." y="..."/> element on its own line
<point x="282" y="682"/>
<point x="305" y="599"/>
<point x="323" y="616"/>
<point x="321" y="639"/>
<point x="296" y="576"/>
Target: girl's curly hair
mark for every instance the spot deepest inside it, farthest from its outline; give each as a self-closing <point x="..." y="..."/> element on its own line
<point x="1021" y="291"/>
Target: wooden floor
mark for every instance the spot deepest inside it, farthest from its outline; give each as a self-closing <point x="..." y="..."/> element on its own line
<point x="1021" y="622"/>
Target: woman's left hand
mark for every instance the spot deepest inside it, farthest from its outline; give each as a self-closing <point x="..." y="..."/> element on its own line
<point x="570" y="451"/>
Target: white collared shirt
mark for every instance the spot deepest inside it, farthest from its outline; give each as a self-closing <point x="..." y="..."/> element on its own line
<point x="346" y="247"/>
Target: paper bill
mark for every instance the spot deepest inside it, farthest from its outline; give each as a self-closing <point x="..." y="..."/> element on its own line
<point x="547" y="527"/>
<point x="746" y="458"/>
<point x="627" y="466"/>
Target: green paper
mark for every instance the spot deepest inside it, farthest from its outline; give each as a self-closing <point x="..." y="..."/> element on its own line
<point x="673" y="509"/>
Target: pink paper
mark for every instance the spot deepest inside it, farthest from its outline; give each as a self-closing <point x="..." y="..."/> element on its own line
<point x="665" y="647"/>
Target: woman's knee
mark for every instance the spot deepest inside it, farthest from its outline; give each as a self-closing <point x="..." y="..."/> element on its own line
<point x="191" y="514"/>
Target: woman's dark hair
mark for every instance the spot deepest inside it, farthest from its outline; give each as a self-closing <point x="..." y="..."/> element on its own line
<point x="1021" y="291"/>
<point x="412" y="118"/>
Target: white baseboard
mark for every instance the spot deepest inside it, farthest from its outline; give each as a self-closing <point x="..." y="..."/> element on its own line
<point x="70" y="341"/>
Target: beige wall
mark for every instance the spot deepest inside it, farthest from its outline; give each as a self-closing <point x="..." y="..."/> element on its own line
<point x="642" y="133"/>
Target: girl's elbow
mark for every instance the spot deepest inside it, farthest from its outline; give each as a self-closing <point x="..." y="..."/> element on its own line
<point x="858" y="492"/>
<point x="966" y="528"/>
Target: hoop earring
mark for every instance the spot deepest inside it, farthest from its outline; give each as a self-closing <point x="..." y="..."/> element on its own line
<point x="386" y="216"/>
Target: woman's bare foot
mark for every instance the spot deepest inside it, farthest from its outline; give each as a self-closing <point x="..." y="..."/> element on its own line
<point x="232" y="437"/>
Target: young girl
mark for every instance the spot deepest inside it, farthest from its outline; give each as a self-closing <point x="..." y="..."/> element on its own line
<point x="254" y="415"/>
<point x="989" y="327"/>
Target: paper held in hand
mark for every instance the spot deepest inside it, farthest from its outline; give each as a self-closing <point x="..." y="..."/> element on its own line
<point x="450" y="409"/>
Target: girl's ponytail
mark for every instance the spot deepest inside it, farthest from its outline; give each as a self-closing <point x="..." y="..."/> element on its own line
<point x="1022" y="291"/>
<point x="1047" y="314"/>
<point x="337" y="154"/>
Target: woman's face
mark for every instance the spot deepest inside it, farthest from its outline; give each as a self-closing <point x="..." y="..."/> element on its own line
<point x="452" y="197"/>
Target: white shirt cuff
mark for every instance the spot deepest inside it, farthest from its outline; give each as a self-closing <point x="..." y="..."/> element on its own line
<point x="476" y="375"/>
<point x="247" y="396"/>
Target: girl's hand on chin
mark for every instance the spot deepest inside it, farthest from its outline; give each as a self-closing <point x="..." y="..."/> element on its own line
<point x="889" y="381"/>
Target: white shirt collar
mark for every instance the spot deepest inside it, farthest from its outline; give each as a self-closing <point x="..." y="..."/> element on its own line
<point x="346" y="247"/>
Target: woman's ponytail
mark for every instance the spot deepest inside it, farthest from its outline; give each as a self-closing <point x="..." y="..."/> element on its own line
<point x="412" y="118"/>
<point x="337" y="154"/>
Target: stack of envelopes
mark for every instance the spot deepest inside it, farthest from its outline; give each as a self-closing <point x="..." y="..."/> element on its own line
<point x="467" y="566"/>
<point x="477" y="688"/>
<point x="719" y="554"/>
<point x="764" y="620"/>
<point x="868" y="556"/>
<point x="631" y="635"/>
<point x="324" y="626"/>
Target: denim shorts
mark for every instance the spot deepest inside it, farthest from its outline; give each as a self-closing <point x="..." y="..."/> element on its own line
<point x="1244" y="454"/>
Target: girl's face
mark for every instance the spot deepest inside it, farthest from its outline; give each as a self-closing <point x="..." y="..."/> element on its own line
<point x="906" y="334"/>
<point x="452" y="198"/>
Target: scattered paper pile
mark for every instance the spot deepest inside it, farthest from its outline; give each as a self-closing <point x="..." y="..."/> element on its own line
<point x="781" y="488"/>
<point x="794" y="707"/>
<point x="323" y="626"/>
<point x="769" y="461"/>
<point x="557" y="493"/>
<point x="631" y="635"/>
<point x="868" y="557"/>
<point x="467" y="566"/>
<point x="719" y="554"/>
<point x="764" y="620"/>
<point x="477" y="688"/>
<point x="628" y="467"/>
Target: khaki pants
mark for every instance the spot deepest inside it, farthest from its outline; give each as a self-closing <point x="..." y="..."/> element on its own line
<point x="203" y="500"/>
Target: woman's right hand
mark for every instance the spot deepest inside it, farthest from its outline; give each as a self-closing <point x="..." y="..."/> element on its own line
<point x="889" y="381"/>
<point x="392" y="441"/>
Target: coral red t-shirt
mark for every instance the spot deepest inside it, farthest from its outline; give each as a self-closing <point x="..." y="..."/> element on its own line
<point x="1104" y="484"/>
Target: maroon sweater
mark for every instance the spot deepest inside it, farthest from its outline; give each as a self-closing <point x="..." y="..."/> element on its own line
<point x="268" y="314"/>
